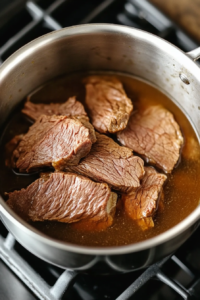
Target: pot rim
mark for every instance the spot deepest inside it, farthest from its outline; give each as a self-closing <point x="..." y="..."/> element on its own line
<point x="26" y="50"/>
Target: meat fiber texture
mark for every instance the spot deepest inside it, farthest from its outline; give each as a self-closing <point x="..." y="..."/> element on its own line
<point x="108" y="105"/>
<point x="142" y="203"/>
<point x="53" y="141"/>
<point x="64" y="197"/>
<point x="108" y="162"/>
<point x="155" y="135"/>
<point x="71" y="108"/>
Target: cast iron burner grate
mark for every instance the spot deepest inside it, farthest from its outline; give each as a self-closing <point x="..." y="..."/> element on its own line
<point x="36" y="18"/>
<point x="176" y="277"/>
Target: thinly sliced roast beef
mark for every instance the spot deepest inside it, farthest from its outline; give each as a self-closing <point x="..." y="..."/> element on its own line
<point x="64" y="197"/>
<point x="53" y="141"/>
<point x="142" y="203"/>
<point x="147" y="223"/>
<point x="107" y="103"/>
<point x="71" y="108"/>
<point x="108" y="162"/>
<point x="154" y="134"/>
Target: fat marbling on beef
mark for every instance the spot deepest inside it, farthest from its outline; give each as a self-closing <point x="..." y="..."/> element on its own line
<point x="155" y="135"/>
<point x="64" y="197"/>
<point x="53" y="141"/>
<point x="108" y="104"/>
<point x="71" y="108"/>
<point x="108" y="162"/>
<point x="142" y="203"/>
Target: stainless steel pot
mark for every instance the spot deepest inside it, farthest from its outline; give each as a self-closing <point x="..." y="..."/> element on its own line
<point x="113" y="48"/>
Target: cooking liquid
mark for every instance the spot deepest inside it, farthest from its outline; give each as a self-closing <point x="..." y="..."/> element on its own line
<point x="181" y="192"/>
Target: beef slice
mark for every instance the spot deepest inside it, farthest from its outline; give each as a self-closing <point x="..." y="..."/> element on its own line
<point x="108" y="162"/>
<point x="155" y="135"/>
<point x="108" y="104"/>
<point x="142" y="203"/>
<point x="71" y="108"/>
<point x="54" y="141"/>
<point x="64" y="197"/>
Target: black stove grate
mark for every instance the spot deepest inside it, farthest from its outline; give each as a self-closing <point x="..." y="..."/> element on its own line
<point x="36" y="18"/>
<point x="176" y="277"/>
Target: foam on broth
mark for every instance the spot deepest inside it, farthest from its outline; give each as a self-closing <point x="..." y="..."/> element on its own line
<point x="182" y="190"/>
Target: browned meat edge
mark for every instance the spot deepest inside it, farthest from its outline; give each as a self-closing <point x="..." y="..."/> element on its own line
<point x="143" y="202"/>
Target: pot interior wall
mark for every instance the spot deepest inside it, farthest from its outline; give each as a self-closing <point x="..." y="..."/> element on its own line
<point x="105" y="47"/>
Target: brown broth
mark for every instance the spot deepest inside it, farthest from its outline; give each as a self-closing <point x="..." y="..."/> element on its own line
<point x="182" y="190"/>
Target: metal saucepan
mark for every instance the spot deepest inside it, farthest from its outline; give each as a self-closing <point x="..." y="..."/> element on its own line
<point x="113" y="48"/>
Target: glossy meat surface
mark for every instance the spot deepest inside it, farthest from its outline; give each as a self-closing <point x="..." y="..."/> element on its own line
<point x="64" y="197"/>
<point x="155" y="134"/>
<point x="108" y="162"/>
<point x="108" y="104"/>
<point x="53" y="141"/>
<point x="143" y="202"/>
<point x="70" y="108"/>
